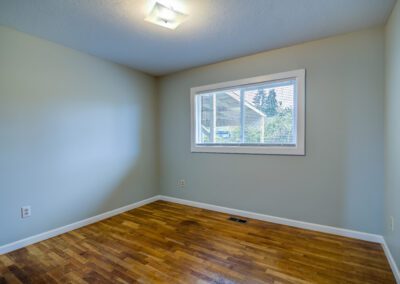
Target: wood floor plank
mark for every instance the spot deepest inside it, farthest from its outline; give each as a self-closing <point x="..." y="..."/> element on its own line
<point x="165" y="242"/>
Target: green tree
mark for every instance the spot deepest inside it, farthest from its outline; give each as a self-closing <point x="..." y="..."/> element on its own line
<point x="279" y="129"/>
<point x="259" y="99"/>
<point x="267" y="104"/>
<point x="270" y="107"/>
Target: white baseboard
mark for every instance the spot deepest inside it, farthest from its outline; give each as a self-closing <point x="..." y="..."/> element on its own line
<point x="392" y="263"/>
<point x="283" y="221"/>
<point x="61" y="230"/>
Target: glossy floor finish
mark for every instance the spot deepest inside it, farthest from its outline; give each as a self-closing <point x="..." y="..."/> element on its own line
<point x="169" y="243"/>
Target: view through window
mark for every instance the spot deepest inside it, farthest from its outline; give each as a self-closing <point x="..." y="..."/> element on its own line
<point x="255" y="114"/>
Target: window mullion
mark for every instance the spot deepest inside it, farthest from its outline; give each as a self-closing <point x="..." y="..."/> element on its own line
<point x="198" y="107"/>
<point x="213" y="127"/>
<point x="242" y="116"/>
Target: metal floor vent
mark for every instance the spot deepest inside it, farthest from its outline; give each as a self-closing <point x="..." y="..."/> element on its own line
<point x="238" y="220"/>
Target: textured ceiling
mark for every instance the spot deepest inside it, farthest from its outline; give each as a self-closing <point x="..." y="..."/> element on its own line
<point x="216" y="29"/>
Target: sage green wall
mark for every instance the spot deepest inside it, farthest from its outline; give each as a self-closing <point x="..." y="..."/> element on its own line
<point x="340" y="180"/>
<point x="392" y="133"/>
<point x="77" y="135"/>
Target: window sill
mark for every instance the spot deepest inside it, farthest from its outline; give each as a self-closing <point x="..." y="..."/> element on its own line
<point x="256" y="150"/>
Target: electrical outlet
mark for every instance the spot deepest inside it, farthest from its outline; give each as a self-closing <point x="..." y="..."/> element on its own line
<point x="181" y="183"/>
<point x="392" y="223"/>
<point x="26" y="211"/>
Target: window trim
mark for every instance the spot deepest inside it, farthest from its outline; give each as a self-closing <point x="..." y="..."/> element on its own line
<point x="298" y="150"/>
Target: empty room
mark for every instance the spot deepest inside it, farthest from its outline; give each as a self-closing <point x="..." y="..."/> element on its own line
<point x="200" y="141"/>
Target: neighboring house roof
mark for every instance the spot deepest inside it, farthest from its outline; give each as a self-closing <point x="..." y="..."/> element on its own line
<point x="247" y="104"/>
<point x="228" y="104"/>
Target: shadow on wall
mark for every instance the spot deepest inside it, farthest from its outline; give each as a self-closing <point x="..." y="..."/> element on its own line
<point x="98" y="148"/>
<point x="76" y="135"/>
<point x="71" y="162"/>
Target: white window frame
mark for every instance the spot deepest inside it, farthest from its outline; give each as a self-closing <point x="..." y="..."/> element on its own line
<point x="298" y="149"/>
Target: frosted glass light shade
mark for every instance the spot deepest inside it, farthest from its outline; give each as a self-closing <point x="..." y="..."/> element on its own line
<point x="165" y="16"/>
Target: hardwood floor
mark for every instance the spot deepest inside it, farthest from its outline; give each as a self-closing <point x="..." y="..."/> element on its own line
<point x="169" y="243"/>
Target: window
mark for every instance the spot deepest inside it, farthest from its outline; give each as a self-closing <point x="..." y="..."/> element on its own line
<point x="260" y="115"/>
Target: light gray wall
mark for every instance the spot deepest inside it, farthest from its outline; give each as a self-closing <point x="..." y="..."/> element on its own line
<point x="77" y="135"/>
<point x="340" y="180"/>
<point x="392" y="133"/>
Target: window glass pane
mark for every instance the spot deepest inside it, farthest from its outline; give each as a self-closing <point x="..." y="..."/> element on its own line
<point x="220" y="117"/>
<point x="228" y="117"/>
<point x="206" y="113"/>
<point x="269" y="112"/>
<point x="262" y="113"/>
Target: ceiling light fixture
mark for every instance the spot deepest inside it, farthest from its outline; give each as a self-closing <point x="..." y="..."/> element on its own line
<point x="166" y="17"/>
